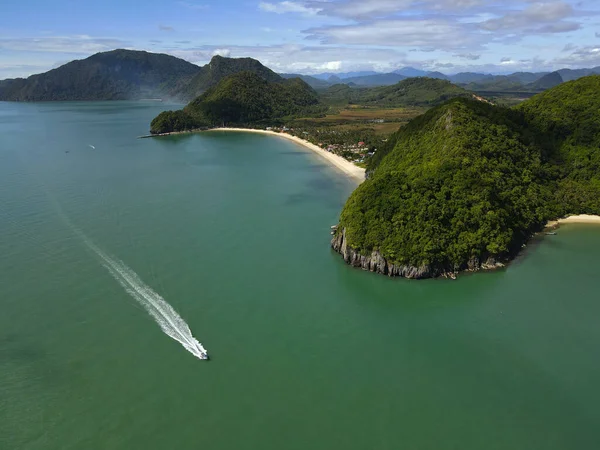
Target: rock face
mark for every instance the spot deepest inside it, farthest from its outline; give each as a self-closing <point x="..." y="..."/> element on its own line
<point x="375" y="262"/>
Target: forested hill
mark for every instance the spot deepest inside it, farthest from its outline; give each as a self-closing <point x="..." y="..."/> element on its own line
<point x="114" y="75"/>
<point x="220" y="67"/>
<point x="567" y="120"/>
<point x="129" y="74"/>
<point x="463" y="186"/>
<point x="420" y="91"/>
<point x="242" y="99"/>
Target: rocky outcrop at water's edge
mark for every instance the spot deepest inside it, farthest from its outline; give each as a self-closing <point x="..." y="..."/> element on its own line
<point x="375" y="262"/>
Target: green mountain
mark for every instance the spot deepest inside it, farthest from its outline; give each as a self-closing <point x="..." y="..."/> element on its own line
<point x="420" y="91"/>
<point x="470" y="77"/>
<point x="242" y="99"/>
<point x="464" y="186"/>
<point x="496" y="83"/>
<point x="546" y="82"/>
<point x="574" y="74"/>
<point x="380" y="79"/>
<point x="220" y="67"/>
<point x="313" y="82"/>
<point x="114" y="75"/>
<point x="438" y="75"/>
<point x="567" y="120"/>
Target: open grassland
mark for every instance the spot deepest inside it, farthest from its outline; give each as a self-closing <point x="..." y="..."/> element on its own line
<point x="381" y="120"/>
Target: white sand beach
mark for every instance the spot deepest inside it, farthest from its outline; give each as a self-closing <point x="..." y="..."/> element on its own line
<point x="345" y="166"/>
<point x="581" y="218"/>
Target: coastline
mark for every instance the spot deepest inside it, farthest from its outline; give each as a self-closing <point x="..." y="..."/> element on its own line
<point x="350" y="169"/>
<point x="580" y="218"/>
<point x="345" y="166"/>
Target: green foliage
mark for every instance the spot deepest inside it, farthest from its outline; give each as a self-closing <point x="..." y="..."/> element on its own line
<point x="168" y="121"/>
<point x="114" y="75"/>
<point x="419" y="91"/>
<point x="567" y="121"/>
<point x="128" y="74"/>
<point x="546" y="82"/>
<point x="219" y="68"/>
<point x="461" y="182"/>
<point x="243" y="99"/>
<point x="468" y="180"/>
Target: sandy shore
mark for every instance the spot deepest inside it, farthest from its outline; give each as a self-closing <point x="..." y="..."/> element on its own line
<point x="582" y="218"/>
<point x="345" y="166"/>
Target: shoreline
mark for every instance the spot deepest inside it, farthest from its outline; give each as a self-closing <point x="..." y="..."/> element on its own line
<point x="342" y="164"/>
<point x="349" y="168"/>
<point x="580" y="218"/>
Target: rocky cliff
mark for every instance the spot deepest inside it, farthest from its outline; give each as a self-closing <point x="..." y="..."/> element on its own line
<point x="377" y="263"/>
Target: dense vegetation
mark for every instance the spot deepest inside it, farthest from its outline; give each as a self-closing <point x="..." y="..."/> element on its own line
<point x="242" y="99"/>
<point x="114" y="75"/>
<point x="219" y="68"/>
<point x="546" y="82"/>
<point x="567" y="119"/>
<point x="128" y="74"/>
<point x="469" y="182"/>
<point x="420" y="91"/>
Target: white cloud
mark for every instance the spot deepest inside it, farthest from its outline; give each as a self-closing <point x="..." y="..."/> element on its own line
<point x="361" y="8"/>
<point x="287" y="7"/>
<point x="586" y="56"/>
<point x="539" y="17"/>
<point x="332" y="66"/>
<point x="469" y="56"/>
<point x="81" y="44"/>
<point x="222" y="52"/>
<point x="291" y="58"/>
<point x="429" y="34"/>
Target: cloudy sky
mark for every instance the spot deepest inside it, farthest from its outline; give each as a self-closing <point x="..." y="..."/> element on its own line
<point x="497" y="36"/>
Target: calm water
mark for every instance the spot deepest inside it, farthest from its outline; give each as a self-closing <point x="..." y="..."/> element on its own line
<point x="233" y="231"/>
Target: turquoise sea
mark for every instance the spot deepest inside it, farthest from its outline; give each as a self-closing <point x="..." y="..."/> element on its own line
<point x="232" y="229"/>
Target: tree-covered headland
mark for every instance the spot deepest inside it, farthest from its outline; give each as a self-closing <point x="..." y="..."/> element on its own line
<point x="465" y="185"/>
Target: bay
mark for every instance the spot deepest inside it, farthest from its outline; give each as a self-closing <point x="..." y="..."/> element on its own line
<point x="232" y="229"/>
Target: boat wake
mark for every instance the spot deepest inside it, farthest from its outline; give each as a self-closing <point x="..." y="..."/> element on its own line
<point x="165" y="316"/>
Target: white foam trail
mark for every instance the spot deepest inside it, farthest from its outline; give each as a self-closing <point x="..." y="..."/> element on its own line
<point x="165" y="316"/>
<point x="92" y="146"/>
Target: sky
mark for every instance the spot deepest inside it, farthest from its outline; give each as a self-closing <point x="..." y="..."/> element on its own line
<point x="308" y="37"/>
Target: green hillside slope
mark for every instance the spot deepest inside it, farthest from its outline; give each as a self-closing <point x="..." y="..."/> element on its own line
<point x="567" y="119"/>
<point x="114" y="75"/>
<point x="241" y="99"/>
<point x="219" y="68"/>
<point x="464" y="186"/>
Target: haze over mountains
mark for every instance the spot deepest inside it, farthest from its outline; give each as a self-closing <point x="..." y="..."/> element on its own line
<point x="474" y="80"/>
<point x="128" y="74"/>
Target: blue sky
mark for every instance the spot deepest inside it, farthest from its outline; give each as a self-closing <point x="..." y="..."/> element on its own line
<point x="497" y="36"/>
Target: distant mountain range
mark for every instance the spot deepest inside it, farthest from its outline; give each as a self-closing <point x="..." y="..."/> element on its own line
<point x="129" y="74"/>
<point x="470" y="80"/>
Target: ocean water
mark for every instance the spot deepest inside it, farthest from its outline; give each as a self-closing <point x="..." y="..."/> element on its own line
<point x="232" y="230"/>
